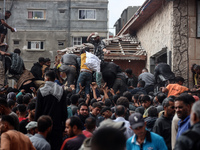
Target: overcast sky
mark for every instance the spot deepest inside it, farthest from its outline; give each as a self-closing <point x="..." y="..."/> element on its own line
<point x="116" y="7"/>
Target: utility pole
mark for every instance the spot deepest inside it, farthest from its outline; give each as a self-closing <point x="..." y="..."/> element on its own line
<point x="4" y="7"/>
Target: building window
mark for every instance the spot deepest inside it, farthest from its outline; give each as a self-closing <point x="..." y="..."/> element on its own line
<point x="36" y="14"/>
<point x="16" y="42"/>
<point x="35" y="45"/>
<point x="87" y="14"/>
<point x="77" y="41"/>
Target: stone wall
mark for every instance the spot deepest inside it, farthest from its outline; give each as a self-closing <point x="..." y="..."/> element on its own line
<point x="156" y="32"/>
<point x="180" y="39"/>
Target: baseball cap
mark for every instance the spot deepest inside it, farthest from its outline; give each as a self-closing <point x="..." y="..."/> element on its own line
<point x="136" y="120"/>
<point x="31" y="125"/>
<point x="95" y="34"/>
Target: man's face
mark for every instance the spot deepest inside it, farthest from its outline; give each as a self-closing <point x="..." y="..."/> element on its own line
<point x="69" y="129"/>
<point x="2" y="127"/>
<point x="32" y="113"/>
<point x="96" y="111"/>
<point x="146" y="104"/>
<point x="140" y="131"/>
<point x="48" y="63"/>
<point x="83" y="111"/>
<point x="182" y="109"/>
<point x="170" y="109"/>
<point x="7" y="15"/>
<point x="107" y="114"/>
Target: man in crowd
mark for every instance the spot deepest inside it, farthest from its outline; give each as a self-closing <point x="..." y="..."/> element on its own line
<point x="44" y="128"/>
<point x="120" y="114"/>
<point x="132" y="79"/>
<point x="69" y="66"/>
<point x="183" y="105"/>
<point x="99" y="50"/>
<point x="36" y="70"/>
<point x="163" y="73"/>
<point x="162" y="125"/>
<point x="12" y="139"/>
<point x="32" y="128"/>
<point x="73" y="127"/>
<point x="5" y="110"/>
<point x="149" y="80"/>
<point x="4" y="25"/>
<point x="139" y="88"/>
<point x="146" y="103"/>
<point x="90" y="126"/>
<point x="143" y="139"/>
<point x="50" y="99"/>
<point x="83" y="112"/>
<point x="190" y="139"/>
<point x="85" y="76"/>
<point x="176" y="88"/>
<point x="46" y="66"/>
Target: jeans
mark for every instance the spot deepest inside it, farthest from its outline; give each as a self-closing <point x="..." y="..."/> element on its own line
<point x="85" y="78"/>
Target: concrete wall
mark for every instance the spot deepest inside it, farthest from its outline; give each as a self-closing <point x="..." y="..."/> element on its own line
<point x="156" y="33"/>
<point x="55" y="27"/>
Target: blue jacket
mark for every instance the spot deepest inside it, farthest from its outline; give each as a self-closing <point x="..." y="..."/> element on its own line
<point x="152" y="141"/>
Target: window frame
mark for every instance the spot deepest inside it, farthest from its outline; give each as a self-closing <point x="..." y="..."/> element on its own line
<point x="41" y="45"/>
<point x="95" y="16"/>
<point x="34" y="11"/>
<point x="78" y="40"/>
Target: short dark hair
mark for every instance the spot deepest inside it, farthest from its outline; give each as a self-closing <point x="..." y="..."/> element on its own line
<point x="179" y="78"/>
<point x="120" y="110"/>
<point x="152" y="111"/>
<point x="186" y="98"/>
<point x="145" y="98"/>
<point x="108" y="138"/>
<point x="9" y="119"/>
<point x="8" y="12"/>
<point x="74" y="99"/>
<point x="82" y="104"/>
<point x="76" y="121"/>
<point x="96" y="104"/>
<point x="17" y="50"/>
<point x="44" y="122"/>
<point x="21" y="108"/>
<point x="108" y="103"/>
<point x="31" y="106"/>
<point x="19" y="99"/>
<point x="105" y="109"/>
<point x="123" y="101"/>
<point x="47" y="59"/>
<point x="3" y="102"/>
<point x="161" y="97"/>
<point x="141" y="83"/>
<point x="90" y="123"/>
<point x="128" y="95"/>
<point x="41" y="59"/>
<point x="26" y="99"/>
<point x="166" y="101"/>
<point x="50" y="74"/>
<point x="128" y="71"/>
<point x="11" y="103"/>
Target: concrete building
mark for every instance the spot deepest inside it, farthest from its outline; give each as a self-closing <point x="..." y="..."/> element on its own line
<point x="43" y="27"/>
<point x="168" y="31"/>
<point x="125" y="16"/>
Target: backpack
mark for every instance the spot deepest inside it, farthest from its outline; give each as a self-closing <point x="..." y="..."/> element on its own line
<point x="16" y="64"/>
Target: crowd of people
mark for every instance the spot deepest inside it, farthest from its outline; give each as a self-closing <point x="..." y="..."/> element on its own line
<point x="72" y="106"/>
